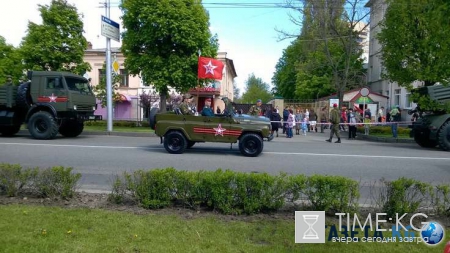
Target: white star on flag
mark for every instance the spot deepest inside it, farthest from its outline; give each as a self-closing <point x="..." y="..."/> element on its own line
<point x="209" y="68"/>
<point x="53" y="98"/>
<point x="219" y="130"/>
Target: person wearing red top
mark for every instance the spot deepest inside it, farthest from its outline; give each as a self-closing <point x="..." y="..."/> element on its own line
<point x="343" y="119"/>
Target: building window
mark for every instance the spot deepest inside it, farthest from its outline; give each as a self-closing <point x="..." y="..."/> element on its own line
<point x="101" y="75"/>
<point x="397" y="96"/>
<point x="408" y="102"/>
<point x="123" y="78"/>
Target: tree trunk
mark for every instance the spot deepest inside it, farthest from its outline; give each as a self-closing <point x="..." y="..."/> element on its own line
<point x="162" y="103"/>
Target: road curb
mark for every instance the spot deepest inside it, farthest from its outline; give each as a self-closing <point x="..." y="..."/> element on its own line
<point x="129" y="134"/>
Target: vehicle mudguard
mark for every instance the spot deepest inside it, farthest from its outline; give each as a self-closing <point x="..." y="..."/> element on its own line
<point x="40" y="107"/>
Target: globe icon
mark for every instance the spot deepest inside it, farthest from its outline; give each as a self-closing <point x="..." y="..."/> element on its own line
<point x="432" y="233"/>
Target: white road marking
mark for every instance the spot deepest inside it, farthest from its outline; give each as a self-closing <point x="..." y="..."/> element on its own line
<point x="264" y="152"/>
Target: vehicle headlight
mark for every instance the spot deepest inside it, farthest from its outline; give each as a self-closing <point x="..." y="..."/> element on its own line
<point x="75" y="107"/>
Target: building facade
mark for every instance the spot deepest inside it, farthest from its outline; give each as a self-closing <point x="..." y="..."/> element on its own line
<point x="131" y="87"/>
<point x="396" y="95"/>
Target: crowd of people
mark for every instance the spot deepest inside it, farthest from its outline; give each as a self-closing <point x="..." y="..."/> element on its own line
<point x="302" y="121"/>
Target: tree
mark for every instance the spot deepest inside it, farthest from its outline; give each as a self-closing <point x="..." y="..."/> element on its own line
<point x="236" y="93"/>
<point x="100" y="88"/>
<point x="284" y="78"/>
<point x="256" y="89"/>
<point x="331" y="27"/>
<point x="58" y="44"/>
<point x="162" y="40"/>
<point x="10" y="62"/>
<point x="415" y="42"/>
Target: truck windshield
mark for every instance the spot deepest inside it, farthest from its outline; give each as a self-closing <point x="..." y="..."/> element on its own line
<point x="79" y="85"/>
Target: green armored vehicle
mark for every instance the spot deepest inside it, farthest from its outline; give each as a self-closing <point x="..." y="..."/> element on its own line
<point x="433" y="126"/>
<point x="49" y="103"/>
<point x="178" y="131"/>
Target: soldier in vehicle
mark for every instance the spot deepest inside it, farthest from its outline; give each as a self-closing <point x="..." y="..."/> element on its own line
<point x="184" y="107"/>
<point x="207" y="111"/>
<point x="334" y="120"/>
<point x="256" y="110"/>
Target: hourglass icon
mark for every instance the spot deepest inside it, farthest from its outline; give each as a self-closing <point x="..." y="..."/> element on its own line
<point x="310" y="233"/>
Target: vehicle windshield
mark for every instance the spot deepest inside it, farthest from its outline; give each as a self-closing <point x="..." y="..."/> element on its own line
<point x="79" y="85"/>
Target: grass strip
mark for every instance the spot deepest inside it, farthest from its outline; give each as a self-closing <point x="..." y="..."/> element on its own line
<point x="27" y="228"/>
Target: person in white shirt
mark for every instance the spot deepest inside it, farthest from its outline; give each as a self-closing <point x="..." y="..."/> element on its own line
<point x="352" y="120"/>
<point x="380" y="114"/>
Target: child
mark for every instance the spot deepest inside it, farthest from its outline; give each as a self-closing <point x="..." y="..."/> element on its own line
<point x="304" y="126"/>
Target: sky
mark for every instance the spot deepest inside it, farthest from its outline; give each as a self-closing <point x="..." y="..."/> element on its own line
<point x="247" y="35"/>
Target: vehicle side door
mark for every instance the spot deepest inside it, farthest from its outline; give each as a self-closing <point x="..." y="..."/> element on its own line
<point x="220" y="129"/>
<point x="53" y="92"/>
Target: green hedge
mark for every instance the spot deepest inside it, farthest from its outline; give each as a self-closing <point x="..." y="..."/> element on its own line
<point x="51" y="182"/>
<point x="384" y="130"/>
<point x="406" y="195"/>
<point x="233" y="192"/>
<point x="118" y="123"/>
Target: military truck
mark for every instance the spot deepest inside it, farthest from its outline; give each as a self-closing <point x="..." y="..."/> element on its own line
<point x="433" y="126"/>
<point x="179" y="132"/>
<point x="49" y="103"/>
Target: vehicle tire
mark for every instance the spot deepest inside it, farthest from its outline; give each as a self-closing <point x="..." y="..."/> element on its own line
<point x="444" y="136"/>
<point x="251" y="145"/>
<point x="152" y="117"/>
<point x="423" y="141"/>
<point x="190" y="144"/>
<point x="43" y="126"/>
<point x="175" y="142"/>
<point x="23" y="98"/>
<point x="9" y="131"/>
<point x="71" y="128"/>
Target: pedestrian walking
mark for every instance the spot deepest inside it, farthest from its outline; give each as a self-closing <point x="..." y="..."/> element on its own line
<point x="334" y="120"/>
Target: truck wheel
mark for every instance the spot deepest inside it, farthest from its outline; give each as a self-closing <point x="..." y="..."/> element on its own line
<point x="175" y="142"/>
<point x="43" y="126"/>
<point x="71" y="128"/>
<point x="190" y="144"/>
<point x="152" y="117"/>
<point x="444" y="136"/>
<point x="9" y="130"/>
<point x="423" y="141"/>
<point x="251" y="145"/>
<point x="23" y="99"/>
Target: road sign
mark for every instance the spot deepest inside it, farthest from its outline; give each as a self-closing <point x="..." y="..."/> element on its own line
<point x="116" y="67"/>
<point x="110" y="29"/>
<point x="334" y="101"/>
<point x="364" y="92"/>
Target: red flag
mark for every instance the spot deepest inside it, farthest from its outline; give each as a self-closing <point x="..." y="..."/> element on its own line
<point x="210" y="68"/>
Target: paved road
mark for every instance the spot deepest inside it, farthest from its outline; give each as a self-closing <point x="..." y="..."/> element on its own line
<point x="99" y="157"/>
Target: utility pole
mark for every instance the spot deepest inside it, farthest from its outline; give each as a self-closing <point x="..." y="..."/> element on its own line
<point x="109" y="114"/>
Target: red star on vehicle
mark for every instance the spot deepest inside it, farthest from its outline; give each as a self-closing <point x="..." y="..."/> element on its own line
<point x="53" y="98"/>
<point x="209" y="68"/>
<point x="219" y="130"/>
